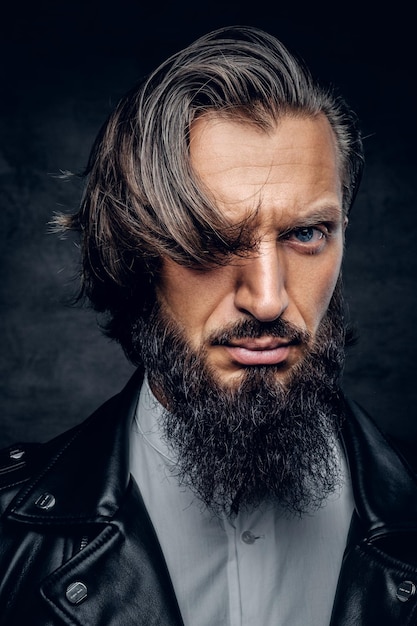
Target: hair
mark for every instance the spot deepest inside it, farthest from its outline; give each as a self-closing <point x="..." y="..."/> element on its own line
<point x="142" y="200"/>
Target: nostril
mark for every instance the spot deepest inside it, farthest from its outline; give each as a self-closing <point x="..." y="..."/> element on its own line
<point x="265" y="307"/>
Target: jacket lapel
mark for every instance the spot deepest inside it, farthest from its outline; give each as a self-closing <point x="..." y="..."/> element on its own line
<point x="120" y="576"/>
<point x="384" y="486"/>
<point x="378" y="579"/>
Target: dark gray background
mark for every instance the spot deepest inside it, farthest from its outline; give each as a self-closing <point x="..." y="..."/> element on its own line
<point x="63" y="68"/>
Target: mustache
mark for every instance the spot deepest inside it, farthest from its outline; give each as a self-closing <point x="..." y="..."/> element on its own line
<point x="254" y="329"/>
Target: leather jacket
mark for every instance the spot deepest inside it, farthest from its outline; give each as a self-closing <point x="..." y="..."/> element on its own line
<point x="77" y="546"/>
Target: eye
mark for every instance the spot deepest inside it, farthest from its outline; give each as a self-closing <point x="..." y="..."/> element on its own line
<point x="308" y="239"/>
<point x="307" y="234"/>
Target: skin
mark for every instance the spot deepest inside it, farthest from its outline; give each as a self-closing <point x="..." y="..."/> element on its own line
<point x="290" y="175"/>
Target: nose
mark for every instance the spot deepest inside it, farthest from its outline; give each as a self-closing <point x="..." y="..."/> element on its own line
<point x="260" y="285"/>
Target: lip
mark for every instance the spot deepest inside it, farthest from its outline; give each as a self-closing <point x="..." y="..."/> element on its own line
<point x="263" y="351"/>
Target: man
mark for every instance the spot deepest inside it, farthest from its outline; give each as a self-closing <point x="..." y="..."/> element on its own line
<point x="230" y="482"/>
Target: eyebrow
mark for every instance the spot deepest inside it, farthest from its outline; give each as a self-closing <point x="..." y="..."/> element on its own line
<point x="329" y="213"/>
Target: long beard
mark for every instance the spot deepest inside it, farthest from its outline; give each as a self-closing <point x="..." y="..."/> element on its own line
<point x="261" y="440"/>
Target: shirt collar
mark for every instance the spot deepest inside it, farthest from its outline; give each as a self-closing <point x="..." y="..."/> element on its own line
<point x="148" y="419"/>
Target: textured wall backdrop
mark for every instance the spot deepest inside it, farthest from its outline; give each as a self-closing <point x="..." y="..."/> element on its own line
<point x="64" y="66"/>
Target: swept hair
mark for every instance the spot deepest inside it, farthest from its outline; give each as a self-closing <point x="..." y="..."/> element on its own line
<point x="142" y="199"/>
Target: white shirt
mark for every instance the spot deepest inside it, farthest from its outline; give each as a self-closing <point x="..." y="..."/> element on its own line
<point x="261" y="568"/>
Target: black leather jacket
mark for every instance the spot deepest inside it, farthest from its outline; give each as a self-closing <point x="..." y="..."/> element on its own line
<point x="77" y="546"/>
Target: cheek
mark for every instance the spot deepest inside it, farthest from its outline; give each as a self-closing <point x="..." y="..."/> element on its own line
<point x="328" y="282"/>
<point x="327" y="286"/>
<point x="191" y="297"/>
<point x="176" y="294"/>
<point x="316" y="290"/>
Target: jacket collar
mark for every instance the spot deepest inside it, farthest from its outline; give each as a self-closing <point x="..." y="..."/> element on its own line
<point x="87" y="471"/>
<point x="384" y="486"/>
<point x="83" y="474"/>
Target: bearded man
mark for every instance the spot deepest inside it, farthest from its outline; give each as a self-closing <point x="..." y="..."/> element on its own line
<point x="231" y="482"/>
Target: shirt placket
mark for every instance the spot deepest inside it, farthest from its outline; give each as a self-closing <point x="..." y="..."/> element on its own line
<point x="246" y="548"/>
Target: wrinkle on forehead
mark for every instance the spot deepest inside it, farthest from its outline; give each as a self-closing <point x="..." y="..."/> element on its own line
<point x="293" y="166"/>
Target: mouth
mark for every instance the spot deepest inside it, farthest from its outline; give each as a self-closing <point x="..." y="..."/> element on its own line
<point x="262" y="351"/>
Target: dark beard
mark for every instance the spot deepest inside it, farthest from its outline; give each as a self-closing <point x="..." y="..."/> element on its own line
<point x="261" y="440"/>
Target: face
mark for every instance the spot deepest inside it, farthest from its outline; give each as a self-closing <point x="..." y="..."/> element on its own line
<point x="289" y="179"/>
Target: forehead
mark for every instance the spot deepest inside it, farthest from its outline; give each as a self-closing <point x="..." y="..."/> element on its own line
<point x="290" y="168"/>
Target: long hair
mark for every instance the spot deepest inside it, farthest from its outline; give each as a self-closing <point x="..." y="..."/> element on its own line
<point x="142" y="199"/>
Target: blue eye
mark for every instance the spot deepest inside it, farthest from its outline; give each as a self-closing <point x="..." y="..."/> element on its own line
<point x="307" y="234"/>
<point x="307" y="239"/>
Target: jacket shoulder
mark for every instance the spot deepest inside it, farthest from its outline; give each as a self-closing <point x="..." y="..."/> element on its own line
<point x="19" y="461"/>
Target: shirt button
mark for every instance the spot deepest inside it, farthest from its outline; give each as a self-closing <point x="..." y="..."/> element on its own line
<point x="248" y="537"/>
<point x="406" y="590"/>
<point x="76" y="592"/>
